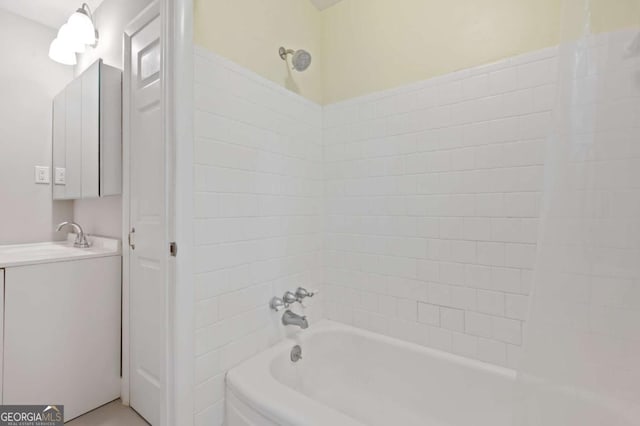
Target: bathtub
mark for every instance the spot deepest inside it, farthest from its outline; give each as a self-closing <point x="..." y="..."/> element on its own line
<point x="349" y="377"/>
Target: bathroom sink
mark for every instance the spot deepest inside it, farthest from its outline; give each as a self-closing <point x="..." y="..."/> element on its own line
<point x="38" y="248"/>
<point x="46" y="252"/>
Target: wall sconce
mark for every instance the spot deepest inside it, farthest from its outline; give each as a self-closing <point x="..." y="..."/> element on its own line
<point x="74" y="37"/>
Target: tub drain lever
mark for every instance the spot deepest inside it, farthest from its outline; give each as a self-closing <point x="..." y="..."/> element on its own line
<point x="296" y="353"/>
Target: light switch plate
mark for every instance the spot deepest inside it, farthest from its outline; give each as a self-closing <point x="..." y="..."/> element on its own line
<point x="42" y="174"/>
<point x="60" y="176"/>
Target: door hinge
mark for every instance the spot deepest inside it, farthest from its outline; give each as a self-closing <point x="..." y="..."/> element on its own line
<point x="173" y="249"/>
<point x="132" y="239"/>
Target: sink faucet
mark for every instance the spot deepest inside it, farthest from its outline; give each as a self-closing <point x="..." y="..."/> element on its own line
<point x="291" y="318"/>
<point x="81" y="239"/>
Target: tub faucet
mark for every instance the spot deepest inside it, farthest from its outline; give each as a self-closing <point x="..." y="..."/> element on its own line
<point x="291" y="318"/>
<point x="81" y="239"/>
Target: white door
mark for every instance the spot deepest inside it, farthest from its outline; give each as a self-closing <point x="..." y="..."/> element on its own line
<point x="149" y="249"/>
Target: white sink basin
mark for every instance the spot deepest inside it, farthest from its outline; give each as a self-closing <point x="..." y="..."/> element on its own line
<point x="31" y="254"/>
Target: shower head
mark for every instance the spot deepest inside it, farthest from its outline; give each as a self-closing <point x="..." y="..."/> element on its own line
<point x="300" y="59"/>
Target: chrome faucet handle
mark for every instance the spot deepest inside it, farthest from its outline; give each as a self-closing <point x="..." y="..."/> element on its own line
<point x="277" y="304"/>
<point x="290" y="298"/>
<point x="301" y="293"/>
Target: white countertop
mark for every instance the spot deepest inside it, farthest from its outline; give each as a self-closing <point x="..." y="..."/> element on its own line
<point x="47" y="252"/>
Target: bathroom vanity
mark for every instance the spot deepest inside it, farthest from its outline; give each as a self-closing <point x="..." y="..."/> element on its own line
<point x="61" y="324"/>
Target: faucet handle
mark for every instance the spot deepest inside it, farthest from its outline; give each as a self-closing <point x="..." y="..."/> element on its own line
<point x="290" y="298"/>
<point x="277" y="304"/>
<point x="301" y="293"/>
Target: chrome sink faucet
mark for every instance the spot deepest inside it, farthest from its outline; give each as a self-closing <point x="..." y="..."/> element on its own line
<point x="81" y="239"/>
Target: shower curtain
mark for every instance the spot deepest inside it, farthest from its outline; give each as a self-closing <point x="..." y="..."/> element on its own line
<point x="581" y="358"/>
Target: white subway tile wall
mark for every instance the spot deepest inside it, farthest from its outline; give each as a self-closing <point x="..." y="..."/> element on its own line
<point x="432" y="202"/>
<point x="258" y="207"/>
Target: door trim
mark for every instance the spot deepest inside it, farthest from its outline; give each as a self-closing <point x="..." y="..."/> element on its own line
<point x="177" y="39"/>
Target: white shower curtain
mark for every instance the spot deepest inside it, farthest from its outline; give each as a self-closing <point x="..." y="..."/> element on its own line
<point x="581" y="357"/>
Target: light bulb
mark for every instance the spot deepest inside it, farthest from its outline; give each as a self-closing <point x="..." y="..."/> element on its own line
<point x="67" y="36"/>
<point x="59" y="52"/>
<point x="82" y="27"/>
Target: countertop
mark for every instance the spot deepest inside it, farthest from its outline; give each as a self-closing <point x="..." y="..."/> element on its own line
<point x="48" y="252"/>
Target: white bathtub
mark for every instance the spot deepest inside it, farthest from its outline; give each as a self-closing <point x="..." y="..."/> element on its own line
<point x="350" y="376"/>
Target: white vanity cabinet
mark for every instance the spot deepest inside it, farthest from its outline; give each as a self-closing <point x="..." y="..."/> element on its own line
<point x="62" y="328"/>
<point x="87" y="135"/>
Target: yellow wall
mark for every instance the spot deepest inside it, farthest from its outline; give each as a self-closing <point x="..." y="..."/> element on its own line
<point x="390" y="43"/>
<point x="363" y="46"/>
<point x="249" y="32"/>
<point x="609" y="15"/>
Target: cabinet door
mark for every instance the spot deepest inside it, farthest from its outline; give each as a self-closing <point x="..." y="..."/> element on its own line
<point x="87" y="135"/>
<point x="73" y="146"/>
<point x="110" y="131"/>
<point x="59" y="143"/>
<point x="91" y="131"/>
<point x="62" y="334"/>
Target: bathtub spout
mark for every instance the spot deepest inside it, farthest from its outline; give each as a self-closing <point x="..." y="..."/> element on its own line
<point x="291" y="318"/>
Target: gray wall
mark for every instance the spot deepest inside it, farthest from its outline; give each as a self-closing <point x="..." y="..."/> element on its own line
<point x="28" y="82"/>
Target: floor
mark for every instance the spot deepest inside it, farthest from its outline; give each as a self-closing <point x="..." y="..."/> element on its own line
<point x="111" y="414"/>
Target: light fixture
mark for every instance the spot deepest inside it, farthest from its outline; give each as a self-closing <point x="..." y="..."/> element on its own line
<point x="61" y="53"/>
<point x="70" y="39"/>
<point x="81" y="23"/>
<point x="74" y="37"/>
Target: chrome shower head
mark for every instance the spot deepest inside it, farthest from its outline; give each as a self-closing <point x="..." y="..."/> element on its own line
<point x="300" y="59"/>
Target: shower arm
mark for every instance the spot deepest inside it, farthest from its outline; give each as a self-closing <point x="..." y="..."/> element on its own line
<point x="284" y="52"/>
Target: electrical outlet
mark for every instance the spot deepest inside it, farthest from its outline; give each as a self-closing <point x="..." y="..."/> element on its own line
<point x="60" y="176"/>
<point x="42" y="174"/>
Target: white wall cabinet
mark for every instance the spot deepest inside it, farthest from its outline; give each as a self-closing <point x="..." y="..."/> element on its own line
<point x="62" y="334"/>
<point x="87" y="135"/>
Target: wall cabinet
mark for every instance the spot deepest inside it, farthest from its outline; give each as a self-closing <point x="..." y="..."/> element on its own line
<point x="87" y="135"/>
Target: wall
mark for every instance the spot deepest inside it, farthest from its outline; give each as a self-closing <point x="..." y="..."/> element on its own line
<point x="249" y="32"/>
<point x="258" y="208"/>
<point x="432" y="197"/>
<point x="364" y="46"/>
<point x="411" y="40"/>
<point x="104" y="216"/>
<point x="28" y="83"/>
<point x="607" y="16"/>
<point x="351" y="39"/>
